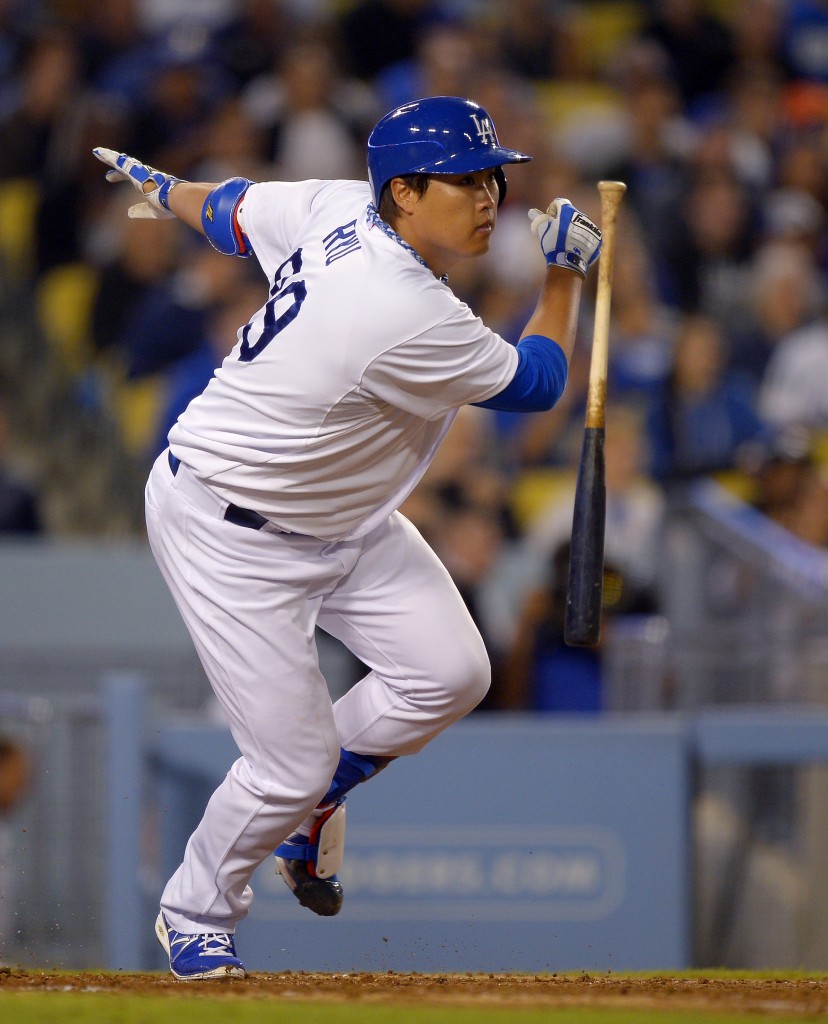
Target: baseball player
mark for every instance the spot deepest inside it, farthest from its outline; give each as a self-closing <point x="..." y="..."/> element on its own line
<point x="275" y="508"/>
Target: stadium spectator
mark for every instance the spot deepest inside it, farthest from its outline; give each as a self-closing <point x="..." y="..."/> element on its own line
<point x="378" y="33"/>
<point x="697" y="42"/>
<point x="808" y="518"/>
<point x="231" y="144"/>
<point x="805" y="32"/>
<point x="537" y="39"/>
<point x="109" y="36"/>
<point x="135" y="260"/>
<point x="166" y="319"/>
<point x="757" y="28"/>
<point x="252" y="43"/>
<point x="713" y="239"/>
<point x="780" y="474"/>
<point x="47" y="125"/>
<point x="313" y="119"/>
<point x="642" y="328"/>
<point x="703" y="420"/>
<point x="793" y="391"/>
<point x="20" y="502"/>
<point x="785" y="292"/>
<point x="447" y="59"/>
<point x="655" y="143"/>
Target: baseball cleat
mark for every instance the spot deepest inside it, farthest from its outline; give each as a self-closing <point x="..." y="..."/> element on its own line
<point x="197" y="957"/>
<point x="308" y="864"/>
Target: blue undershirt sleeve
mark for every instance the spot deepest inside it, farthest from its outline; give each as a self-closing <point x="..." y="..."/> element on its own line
<point x="539" y="380"/>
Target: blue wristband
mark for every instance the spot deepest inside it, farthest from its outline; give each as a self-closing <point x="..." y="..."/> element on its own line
<point x="164" y="192"/>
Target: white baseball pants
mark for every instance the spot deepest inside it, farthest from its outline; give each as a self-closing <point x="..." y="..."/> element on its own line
<point x="251" y="600"/>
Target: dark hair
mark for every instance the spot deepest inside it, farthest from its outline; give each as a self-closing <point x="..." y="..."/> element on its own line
<point x="9" y="749"/>
<point x="387" y="205"/>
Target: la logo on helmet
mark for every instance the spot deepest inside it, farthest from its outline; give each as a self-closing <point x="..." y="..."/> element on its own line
<point x="485" y="132"/>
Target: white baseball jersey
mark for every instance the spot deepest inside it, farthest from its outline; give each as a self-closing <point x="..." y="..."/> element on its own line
<point x="331" y="405"/>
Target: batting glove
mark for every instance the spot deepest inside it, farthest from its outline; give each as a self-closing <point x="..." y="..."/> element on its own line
<point x="567" y="237"/>
<point x="154" y="186"/>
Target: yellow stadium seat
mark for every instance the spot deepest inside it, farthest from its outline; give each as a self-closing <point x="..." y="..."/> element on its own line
<point x="561" y="102"/>
<point x="725" y="10"/>
<point x="820" y="447"/>
<point x="18" y="207"/>
<point x="64" y="299"/>
<point x="137" y="407"/>
<point x="535" y="489"/>
<point x="741" y="485"/>
<point x="604" y="25"/>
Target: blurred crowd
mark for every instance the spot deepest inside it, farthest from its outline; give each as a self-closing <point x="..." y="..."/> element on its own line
<point x="715" y="114"/>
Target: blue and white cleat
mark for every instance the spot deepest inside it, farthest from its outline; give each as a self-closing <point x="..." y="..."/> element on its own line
<point x="197" y="957"/>
<point x="308" y="864"/>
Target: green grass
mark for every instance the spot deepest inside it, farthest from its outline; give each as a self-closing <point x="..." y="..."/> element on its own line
<point x="235" y="1005"/>
<point x="50" y="1008"/>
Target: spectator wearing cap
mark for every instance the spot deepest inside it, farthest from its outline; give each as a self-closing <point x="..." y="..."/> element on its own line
<point x="781" y="473"/>
<point x="795" y="217"/>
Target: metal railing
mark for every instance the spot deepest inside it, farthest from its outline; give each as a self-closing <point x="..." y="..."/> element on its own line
<point x="745" y="617"/>
<point x="745" y="623"/>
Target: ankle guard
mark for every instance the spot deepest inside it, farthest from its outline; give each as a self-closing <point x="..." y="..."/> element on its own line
<point x="329" y="837"/>
<point x="323" y="850"/>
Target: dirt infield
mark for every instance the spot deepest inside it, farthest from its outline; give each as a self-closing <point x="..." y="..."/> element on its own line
<point x="803" y="997"/>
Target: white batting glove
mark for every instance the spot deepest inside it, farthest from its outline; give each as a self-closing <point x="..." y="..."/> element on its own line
<point x="154" y="186"/>
<point x="567" y="237"/>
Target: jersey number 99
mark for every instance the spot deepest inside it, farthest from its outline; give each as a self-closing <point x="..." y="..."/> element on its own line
<point x="281" y="289"/>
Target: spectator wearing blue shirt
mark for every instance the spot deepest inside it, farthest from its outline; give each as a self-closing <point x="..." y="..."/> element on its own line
<point x="703" y="418"/>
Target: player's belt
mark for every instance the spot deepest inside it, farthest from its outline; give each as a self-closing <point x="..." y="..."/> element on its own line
<point x="233" y="513"/>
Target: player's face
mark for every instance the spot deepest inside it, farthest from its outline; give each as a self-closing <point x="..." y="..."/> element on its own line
<point x="453" y="219"/>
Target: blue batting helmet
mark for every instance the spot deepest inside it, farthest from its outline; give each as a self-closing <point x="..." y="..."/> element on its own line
<point x="437" y="135"/>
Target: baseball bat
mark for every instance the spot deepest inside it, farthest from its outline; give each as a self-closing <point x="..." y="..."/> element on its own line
<point x="582" y="618"/>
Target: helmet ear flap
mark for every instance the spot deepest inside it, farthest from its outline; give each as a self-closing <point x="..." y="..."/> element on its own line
<point x="500" y="178"/>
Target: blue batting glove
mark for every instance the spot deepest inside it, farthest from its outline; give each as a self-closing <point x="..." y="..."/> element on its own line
<point x="567" y="237"/>
<point x="154" y="186"/>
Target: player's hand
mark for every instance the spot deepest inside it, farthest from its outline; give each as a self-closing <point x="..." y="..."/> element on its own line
<point x="567" y="237"/>
<point x="154" y="186"/>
